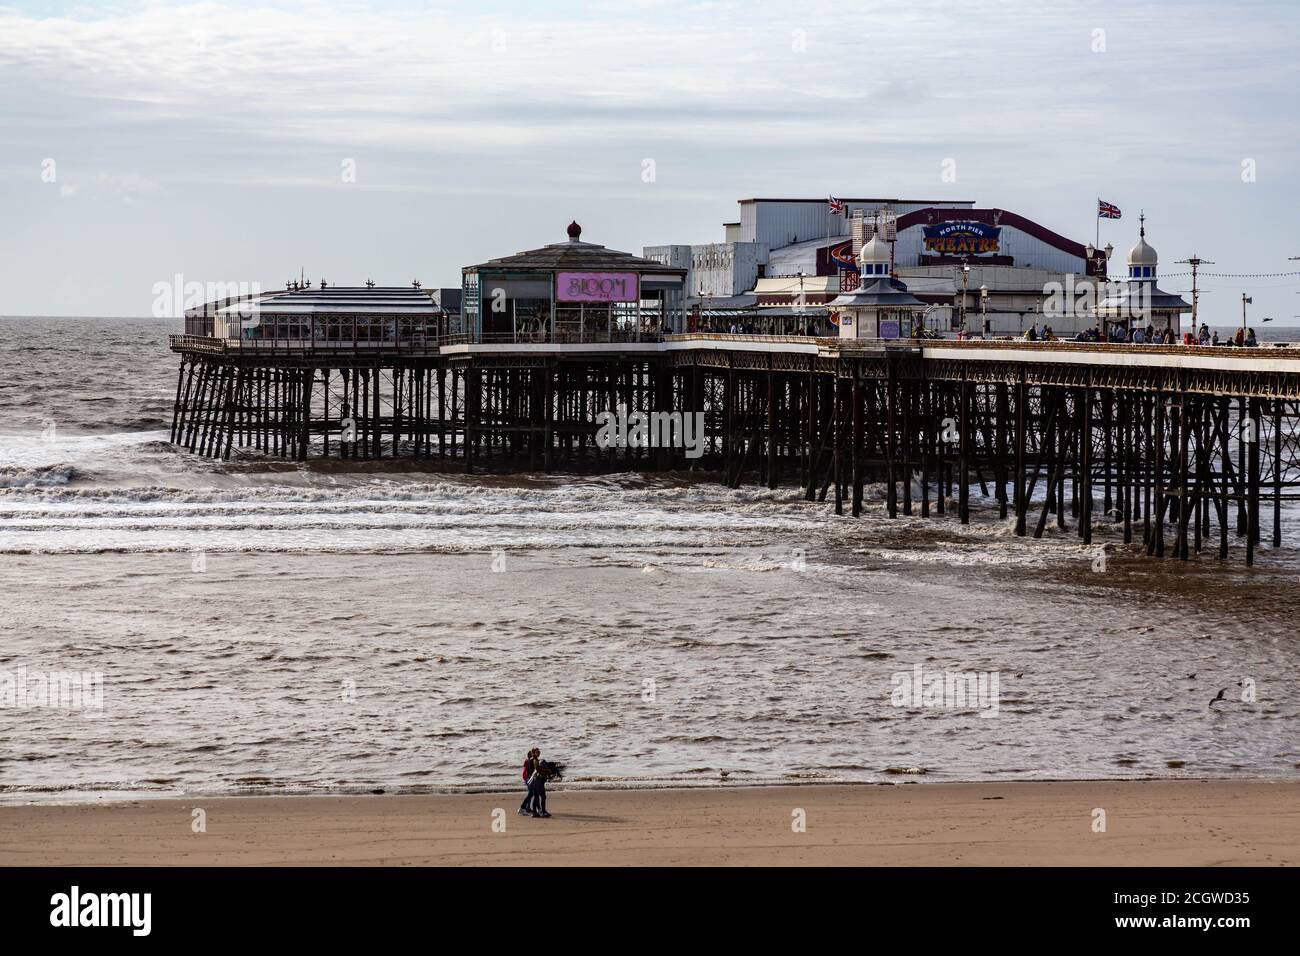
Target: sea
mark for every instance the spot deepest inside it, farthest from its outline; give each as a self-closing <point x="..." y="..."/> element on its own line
<point x="173" y="626"/>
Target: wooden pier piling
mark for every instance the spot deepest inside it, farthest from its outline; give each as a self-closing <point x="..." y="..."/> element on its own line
<point x="1030" y="433"/>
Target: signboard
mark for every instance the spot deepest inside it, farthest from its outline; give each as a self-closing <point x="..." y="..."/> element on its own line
<point x="889" y="328"/>
<point x="596" y="287"/>
<point x="962" y="238"/>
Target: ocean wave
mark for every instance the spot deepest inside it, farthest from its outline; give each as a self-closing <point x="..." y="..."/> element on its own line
<point x="40" y="476"/>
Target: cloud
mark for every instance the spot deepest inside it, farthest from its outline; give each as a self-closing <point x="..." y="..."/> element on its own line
<point x="508" y="116"/>
<point x="469" y="80"/>
<point x="127" y="186"/>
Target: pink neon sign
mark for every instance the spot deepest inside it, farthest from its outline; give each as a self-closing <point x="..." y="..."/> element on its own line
<point x="596" y="287"/>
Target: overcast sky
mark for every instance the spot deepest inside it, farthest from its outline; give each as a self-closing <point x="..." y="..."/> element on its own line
<point x="212" y="139"/>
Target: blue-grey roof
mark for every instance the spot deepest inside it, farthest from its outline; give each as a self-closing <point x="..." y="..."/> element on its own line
<point x="882" y="291"/>
<point x="338" y="300"/>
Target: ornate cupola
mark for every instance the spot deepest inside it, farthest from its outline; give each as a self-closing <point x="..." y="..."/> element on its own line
<point x="873" y="260"/>
<point x="575" y="231"/>
<point x="1142" y="258"/>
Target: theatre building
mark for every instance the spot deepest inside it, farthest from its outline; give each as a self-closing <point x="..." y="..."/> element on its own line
<point x="985" y="269"/>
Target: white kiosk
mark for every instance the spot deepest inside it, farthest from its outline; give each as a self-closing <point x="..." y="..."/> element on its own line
<point x="881" y="307"/>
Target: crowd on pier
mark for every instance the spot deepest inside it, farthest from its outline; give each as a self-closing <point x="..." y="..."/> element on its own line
<point x="1137" y="335"/>
<point x="1244" y="338"/>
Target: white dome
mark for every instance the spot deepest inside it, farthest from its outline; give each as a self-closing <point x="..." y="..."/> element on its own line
<point x="874" y="251"/>
<point x="1142" y="254"/>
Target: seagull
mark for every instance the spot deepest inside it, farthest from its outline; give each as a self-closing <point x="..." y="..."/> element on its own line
<point x="1218" y="698"/>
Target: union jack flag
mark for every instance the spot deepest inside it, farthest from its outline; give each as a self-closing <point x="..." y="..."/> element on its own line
<point x="837" y="205"/>
<point x="1107" y="210"/>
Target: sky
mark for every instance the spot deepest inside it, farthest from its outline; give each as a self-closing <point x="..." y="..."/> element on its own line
<point x="239" y="142"/>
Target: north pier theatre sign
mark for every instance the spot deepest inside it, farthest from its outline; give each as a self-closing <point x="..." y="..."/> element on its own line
<point x="962" y="239"/>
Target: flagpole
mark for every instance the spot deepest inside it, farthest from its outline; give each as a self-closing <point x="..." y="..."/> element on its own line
<point x="1097" y="241"/>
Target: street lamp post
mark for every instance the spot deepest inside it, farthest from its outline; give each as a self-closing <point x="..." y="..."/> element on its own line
<point x="965" y="276"/>
<point x="924" y="314"/>
<point x="984" y="311"/>
<point x="1100" y="265"/>
<point x="801" y="305"/>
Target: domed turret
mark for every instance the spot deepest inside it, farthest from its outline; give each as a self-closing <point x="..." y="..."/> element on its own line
<point x="1142" y="258"/>
<point x="575" y="231"/>
<point x="873" y="260"/>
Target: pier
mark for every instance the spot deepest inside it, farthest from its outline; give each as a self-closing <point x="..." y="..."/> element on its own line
<point x="1187" y="450"/>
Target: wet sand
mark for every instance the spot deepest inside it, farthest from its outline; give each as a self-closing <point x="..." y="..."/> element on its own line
<point x="1168" y="823"/>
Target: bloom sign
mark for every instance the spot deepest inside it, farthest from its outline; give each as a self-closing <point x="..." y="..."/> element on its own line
<point x="596" y="287"/>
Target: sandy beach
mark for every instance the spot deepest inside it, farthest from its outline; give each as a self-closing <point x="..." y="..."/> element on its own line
<point x="1161" y="823"/>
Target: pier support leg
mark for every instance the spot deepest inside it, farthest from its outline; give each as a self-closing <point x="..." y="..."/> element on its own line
<point x="1021" y="439"/>
<point x="772" y="445"/>
<point x="1277" y="473"/>
<point x="856" y="451"/>
<point x="924" y="400"/>
<point x="1225" y="497"/>
<point x="1252" y="479"/>
<point x="1184" y="491"/>
<point x="1085" y="469"/>
<point x="891" y="439"/>
<point x="1157" y="545"/>
<point x="963" y="452"/>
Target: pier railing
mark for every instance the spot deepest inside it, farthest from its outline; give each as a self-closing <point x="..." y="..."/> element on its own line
<point x="426" y="344"/>
<point x="210" y="345"/>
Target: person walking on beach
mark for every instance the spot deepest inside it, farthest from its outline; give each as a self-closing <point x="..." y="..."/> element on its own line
<point x="537" y="786"/>
<point x="531" y="762"/>
<point x="539" y="791"/>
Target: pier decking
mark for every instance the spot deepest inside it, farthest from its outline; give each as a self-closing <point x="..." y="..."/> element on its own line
<point x="1178" y="446"/>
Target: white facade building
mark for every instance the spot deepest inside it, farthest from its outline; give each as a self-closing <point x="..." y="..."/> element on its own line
<point x="1005" y="264"/>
